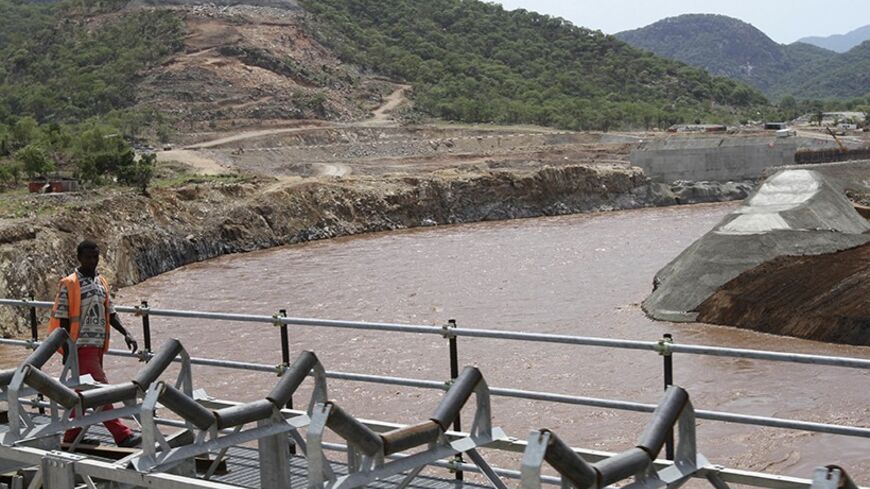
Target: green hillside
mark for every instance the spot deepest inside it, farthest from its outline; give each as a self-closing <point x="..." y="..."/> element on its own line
<point x="733" y="48"/>
<point x="843" y="76"/>
<point x="474" y="61"/>
<point x="58" y="67"/>
<point x="721" y="45"/>
<point x="68" y="85"/>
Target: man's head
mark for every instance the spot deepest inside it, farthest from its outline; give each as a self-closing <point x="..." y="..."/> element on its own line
<point x="88" y="253"/>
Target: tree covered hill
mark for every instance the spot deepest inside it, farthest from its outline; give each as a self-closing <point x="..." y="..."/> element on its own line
<point x="69" y="62"/>
<point x="733" y="48"/>
<point x="721" y="45"/>
<point x="843" y="76"/>
<point x="58" y="66"/>
<point x="474" y="61"/>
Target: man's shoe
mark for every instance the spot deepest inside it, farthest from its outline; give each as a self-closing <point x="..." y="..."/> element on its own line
<point x="131" y="441"/>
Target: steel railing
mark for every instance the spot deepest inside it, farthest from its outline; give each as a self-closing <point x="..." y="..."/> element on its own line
<point x="663" y="347"/>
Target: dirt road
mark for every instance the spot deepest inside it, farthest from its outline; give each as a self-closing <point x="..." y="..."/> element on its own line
<point x="201" y="162"/>
<point x="381" y="116"/>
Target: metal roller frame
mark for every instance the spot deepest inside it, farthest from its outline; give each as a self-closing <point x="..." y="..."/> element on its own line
<point x="123" y="393"/>
<point x="148" y="374"/>
<point x="23" y="428"/>
<point x="21" y="423"/>
<point x="832" y="477"/>
<point x="638" y="462"/>
<point x="271" y="432"/>
<point x="365" y="467"/>
<point x="47" y="348"/>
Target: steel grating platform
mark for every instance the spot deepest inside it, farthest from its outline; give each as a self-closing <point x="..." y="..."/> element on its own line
<point x="243" y="470"/>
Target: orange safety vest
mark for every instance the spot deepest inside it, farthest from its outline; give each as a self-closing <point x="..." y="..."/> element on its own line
<point x="74" y="298"/>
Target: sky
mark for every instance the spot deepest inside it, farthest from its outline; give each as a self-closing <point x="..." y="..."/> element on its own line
<point x="784" y="21"/>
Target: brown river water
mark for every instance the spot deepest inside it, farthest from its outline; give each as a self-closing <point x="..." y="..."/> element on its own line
<point x="578" y="275"/>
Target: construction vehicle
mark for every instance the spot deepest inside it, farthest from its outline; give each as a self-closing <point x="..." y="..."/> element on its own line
<point x="840" y="144"/>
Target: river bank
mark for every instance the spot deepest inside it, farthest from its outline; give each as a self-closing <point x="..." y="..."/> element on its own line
<point x="145" y="236"/>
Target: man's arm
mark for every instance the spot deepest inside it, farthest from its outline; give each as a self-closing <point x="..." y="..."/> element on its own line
<point x="128" y="338"/>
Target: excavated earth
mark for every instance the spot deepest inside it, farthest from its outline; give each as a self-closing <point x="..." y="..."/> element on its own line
<point x="823" y="297"/>
<point x="253" y="65"/>
<point x="793" y="260"/>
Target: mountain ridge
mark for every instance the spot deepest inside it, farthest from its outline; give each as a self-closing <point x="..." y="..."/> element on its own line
<point x="731" y="47"/>
<point x="840" y="43"/>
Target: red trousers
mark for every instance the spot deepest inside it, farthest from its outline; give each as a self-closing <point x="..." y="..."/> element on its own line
<point x="91" y="362"/>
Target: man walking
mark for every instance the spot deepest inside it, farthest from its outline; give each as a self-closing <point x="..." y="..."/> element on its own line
<point x="83" y="308"/>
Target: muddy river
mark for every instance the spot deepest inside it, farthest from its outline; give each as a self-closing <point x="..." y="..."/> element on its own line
<point x="579" y="275"/>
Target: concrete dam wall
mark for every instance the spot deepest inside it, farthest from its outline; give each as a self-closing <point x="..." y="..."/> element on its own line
<point x="682" y="158"/>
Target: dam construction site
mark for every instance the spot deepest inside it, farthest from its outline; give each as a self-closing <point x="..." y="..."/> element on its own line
<point x="337" y="262"/>
<point x="790" y="260"/>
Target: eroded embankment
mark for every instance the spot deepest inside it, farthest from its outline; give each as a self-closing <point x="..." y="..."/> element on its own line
<point x="822" y="297"/>
<point x="145" y="236"/>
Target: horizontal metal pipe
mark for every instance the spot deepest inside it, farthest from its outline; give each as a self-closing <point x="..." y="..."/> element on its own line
<point x="567" y="463"/>
<point x="158" y="363"/>
<point x="549" y="397"/>
<point x="292" y="378"/>
<point x="775" y="356"/>
<point x="410" y="436"/>
<point x="621" y="466"/>
<point x="50" y="387"/>
<point x="522" y="336"/>
<point x="47" y="348"/>
<point x="26" y="303"/>
<point x="666" y="414"/>
<point x="352" y="430"/>
<point x="456" y="397"/>
<point x="244" y="413"/>
<point x="535" y="395"/>
<point x="108" y="394"/>
<point x="849" y="362"/>
<point x="182" y="405"/>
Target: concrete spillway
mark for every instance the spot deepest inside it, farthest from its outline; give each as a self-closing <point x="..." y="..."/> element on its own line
<point x="794" y="212"/>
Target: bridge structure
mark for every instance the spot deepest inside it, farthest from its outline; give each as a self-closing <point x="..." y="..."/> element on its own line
<point x="191" y="440"/>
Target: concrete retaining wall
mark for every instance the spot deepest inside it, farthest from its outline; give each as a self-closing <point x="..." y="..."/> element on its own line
<point x="711" y="158"/>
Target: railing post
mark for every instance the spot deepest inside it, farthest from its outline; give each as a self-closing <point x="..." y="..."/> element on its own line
<point x="668" y="364"/>
<point x="285" y="347"/>
<point x="146" y="329"/>
<point x="34" y="335"/>
<point x="454" y="372"/>
<point x="285" y="361"/>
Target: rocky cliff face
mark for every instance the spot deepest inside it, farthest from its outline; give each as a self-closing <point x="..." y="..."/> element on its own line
<point x="145" y="236"/>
